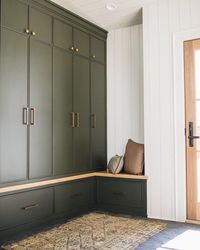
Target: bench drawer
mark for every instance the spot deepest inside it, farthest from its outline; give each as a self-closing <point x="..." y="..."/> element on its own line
<point x="124" y="196"/>
<point x="16" y="209"/>
<point x="75" y="196"/>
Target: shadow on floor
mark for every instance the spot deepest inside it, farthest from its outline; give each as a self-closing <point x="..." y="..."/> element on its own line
<point x="177" y="236"/>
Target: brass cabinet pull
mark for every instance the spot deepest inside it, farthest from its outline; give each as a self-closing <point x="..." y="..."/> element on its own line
<point x="77" y="120"/>
<point x="27" y="31"/>
<point x="32" y="113"/>
<point x="119" y="193"/>
<point x="76" y="195"/>
<point x="25" y="116"/>
<point x="77" y="50"/>
<point x="72" y="48"/>
<point x="30" y="206"/>
<point x="72" y="119"/>
<point x="94" y="120"/>
<point x="93" y="56"/>
<point x="33" y="33"/>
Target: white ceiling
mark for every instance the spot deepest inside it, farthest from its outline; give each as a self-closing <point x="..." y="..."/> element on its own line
<point x="128" y="12"/>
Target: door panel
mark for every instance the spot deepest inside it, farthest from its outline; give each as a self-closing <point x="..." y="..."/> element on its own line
<point x="98" y="49"/>
<point x="41" y="24"/>
<point x="82" y="106"/>
<point x="41" y="100"/>
<point x="14" y="15"/>
<point x="192" y="106"/>
<point x="98" y="116"/>
<point x="81" y="42"/>
<point x="62" y="128"/>
<point x="62" y="35"/>
<point x="13" y="97"/>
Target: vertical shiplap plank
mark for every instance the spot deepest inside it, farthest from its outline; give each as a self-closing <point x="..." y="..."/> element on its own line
<point x="195" y="9"/>
<point x="185" y="14"/>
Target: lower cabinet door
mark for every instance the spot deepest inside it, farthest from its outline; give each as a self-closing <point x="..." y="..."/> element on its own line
<point x="122" y="196"/>
<point x="74" y="197"/>
<point x="21" y="208"/>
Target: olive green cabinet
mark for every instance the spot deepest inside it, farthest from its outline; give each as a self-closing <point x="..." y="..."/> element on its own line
<point x="81" y="97"/>
<point x="40" y="110"/>
<point x="17" y="209"/>
<point x="62" y="113"/>
<point x="14" y="15"/>
<point x="13" y="98"/>
<point x="98" y="116"/>
<point x="52" y="93"/>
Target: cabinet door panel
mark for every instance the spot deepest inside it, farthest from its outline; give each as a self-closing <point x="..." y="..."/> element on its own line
<point x="13" y="97"/>
<point x="62" y="129"/>
<point x="41" y="100"/>
<point x="14" y="15"/>
<point x="62" y="35"/>
<point x="81" y="42"/>
<point x="41" y="24"/>
<point x="98" y="49"/>
<point x="98" y="111"/>
<point x="82" y="106"/>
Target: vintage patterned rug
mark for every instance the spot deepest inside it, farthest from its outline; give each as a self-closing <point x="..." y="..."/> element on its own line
<point x="94" y="231"/>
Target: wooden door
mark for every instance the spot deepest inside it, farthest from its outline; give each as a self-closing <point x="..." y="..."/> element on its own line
<point x="97" y="50"/>
<point x="40" y="25"/>
<point x="81" y="99"/>
<point x="81" y="43"/>
<point x="41" y="113"/>
<point x="14" y="15"/>
<point x="13" y="98"/>
<point x="192" y="106"/>
<point x="98" y="116"/>
<point x="62" y="107"/>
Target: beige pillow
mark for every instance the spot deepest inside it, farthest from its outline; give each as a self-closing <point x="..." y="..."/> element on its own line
<point x="134" y="158"/>
<point x="115" y="164"/>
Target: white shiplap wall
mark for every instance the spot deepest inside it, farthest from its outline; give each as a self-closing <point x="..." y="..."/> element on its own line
<point x="161" y="19"/>
<point x="124" y="88"/>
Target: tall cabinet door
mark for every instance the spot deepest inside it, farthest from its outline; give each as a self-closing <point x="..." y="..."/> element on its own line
<point x="81" y="96"/>
<point x="62" y="119"/>
<point x="41" y="113"/>
<point x="13" y="97"/>
<point x="98" y="116"/>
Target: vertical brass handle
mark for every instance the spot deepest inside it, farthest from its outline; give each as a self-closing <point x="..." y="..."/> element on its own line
<point x="77" y="120"/>
<point x="25" y="116"/>
<point x="94" y="120"/>
<point x="32" y="111"/>
<point x="72" y="119"/>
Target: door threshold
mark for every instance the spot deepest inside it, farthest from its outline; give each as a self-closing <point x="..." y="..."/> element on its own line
<point x="196" y="222"/>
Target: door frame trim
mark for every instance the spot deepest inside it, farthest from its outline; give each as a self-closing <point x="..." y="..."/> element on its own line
<point x="179" y="120"/>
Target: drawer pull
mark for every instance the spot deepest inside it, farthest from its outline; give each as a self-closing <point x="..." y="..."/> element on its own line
<point x="30" y="207"/>
<point x="118" y="193"/>
<point x="76" y="195"/>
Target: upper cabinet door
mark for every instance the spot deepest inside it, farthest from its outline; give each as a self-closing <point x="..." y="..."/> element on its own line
<point x="40" y="25"/>
<point x="14" y="15"/>
<point x="13" y="98"/>
<point x="41" y="114"/>
<point x="98" y="116"/>
<point x="97" y="50"/>
<point x="62" y="35"/>
<point x="81" y="43"/>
